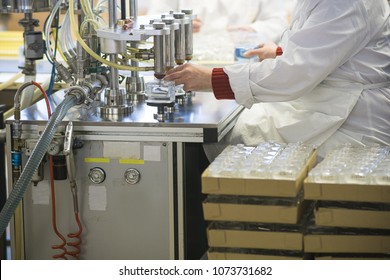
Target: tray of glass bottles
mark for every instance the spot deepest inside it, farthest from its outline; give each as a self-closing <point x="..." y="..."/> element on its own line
<point x="349" y="173"/>
<point x="270" y="169"/>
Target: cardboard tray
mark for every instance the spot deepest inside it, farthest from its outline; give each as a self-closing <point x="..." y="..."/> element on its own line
<point x="256" y="187"/>
<point x="342" y="217"/>
<point x="322" y="243"/>
<point x="213" y="210"/>
<point x="240" y="254"/>
<point x="346" y="192"/>
<point x="255" y="239"/>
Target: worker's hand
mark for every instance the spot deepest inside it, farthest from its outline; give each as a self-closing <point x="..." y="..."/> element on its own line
<point x="263" y="51"/>
<point x="196" y="25"/>
<point x="193" y="77"/>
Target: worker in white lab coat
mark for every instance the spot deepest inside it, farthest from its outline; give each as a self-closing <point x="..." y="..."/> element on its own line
<point x="331" y="85"/>
<point x="267" y="18"/>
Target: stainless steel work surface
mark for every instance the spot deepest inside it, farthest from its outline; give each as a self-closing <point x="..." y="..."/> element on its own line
<point x="202" y="118"/>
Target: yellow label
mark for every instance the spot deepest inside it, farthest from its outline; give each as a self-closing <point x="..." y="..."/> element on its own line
<point x="131" y="161"/>
<point x="97" y="160"/>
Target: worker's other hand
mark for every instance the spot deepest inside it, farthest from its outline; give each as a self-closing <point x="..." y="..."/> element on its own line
<point x="193" y="77"/>
<point x="263" y="51"/>
<point x="196" y="25"/>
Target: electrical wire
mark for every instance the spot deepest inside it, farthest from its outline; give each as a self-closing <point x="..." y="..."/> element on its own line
<point x="77" y="235"/>
<point x="61" y="246"/>
<point x="45" y="97"/>
<point x="53" y="72"/>
<point x="47" y="28"/>
<point x="66" y="39"/>
<point x="59" y="49"/>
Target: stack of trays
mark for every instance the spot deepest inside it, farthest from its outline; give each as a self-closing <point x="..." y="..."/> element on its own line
<point x="351" y="219"/>
<point x="349" y="230"/>
<point x="255" y="218"/>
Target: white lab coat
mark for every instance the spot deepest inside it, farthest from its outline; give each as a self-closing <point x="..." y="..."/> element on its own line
<point x="318" y="91"/>
<point x="267" y="17"/>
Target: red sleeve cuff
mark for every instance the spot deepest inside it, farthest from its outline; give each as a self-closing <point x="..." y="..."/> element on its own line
<point x="221" y="85"/>
<point x="279" y="51"/>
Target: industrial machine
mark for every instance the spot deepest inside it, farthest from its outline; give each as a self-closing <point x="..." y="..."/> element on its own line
<point x="114" y="171"/>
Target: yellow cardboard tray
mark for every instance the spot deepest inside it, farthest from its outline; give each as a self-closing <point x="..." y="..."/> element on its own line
<point x="346" y="192"/>
<point x="255" y="239"/>
<point x="356" y="218"/>
<point x="256" y="187"/>
<point x="254" y="213"/>
<point x="322" y="243"/>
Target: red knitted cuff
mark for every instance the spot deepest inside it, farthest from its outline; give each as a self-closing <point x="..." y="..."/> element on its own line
<point x="221" y="85"/>
<point x="279" y="51"/>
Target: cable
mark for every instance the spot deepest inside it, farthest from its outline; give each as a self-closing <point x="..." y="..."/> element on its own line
<point x="59" y="48"/>
<point x="53" y="72"/>
<point x="61" y="246"/>
<point x="45" y="97"/>
<point x="47" y="28"/>
<point x="77" y="235"/>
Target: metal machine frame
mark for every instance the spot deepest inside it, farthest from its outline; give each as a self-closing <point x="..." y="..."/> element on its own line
<point x="168" y="214"/>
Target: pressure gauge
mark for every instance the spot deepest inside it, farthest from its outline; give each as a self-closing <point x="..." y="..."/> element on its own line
<point x="54" y="148"/>
<point x="132" y="176"/>
<point x="97" y="175"/>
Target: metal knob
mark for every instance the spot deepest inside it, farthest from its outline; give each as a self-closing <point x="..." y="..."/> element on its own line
<point x="97" y="175"/>
<point x="132" y="176"/>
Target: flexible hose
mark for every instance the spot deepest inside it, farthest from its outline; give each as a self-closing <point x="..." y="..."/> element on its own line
<point x="8" y="83"/>
<point x="34" y="160"/>
<point x="36" y="97"/>
<point x="48" y="28"/>
<point x="28" y="93"/>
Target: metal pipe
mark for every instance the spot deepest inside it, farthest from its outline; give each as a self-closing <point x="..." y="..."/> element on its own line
<point x="112" y="15"/>
<point x="180" y="38"/>
<point x="170" y="41"/>
<point x="112" y="18"/>
<point x="135" y="81"/>
<point x="134" y="9"/>
<point x="188" y="35"/>
<point x="81" y="55"/>
<point x="159" y="52"/>
<point x="123" y="9"/>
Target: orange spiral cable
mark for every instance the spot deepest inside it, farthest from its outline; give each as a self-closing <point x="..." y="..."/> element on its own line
<point x="61" y="246"/>
<point x="77" y="235"/>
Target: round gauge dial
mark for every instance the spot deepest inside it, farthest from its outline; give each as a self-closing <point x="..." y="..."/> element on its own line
<point x="97" y="175"/>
